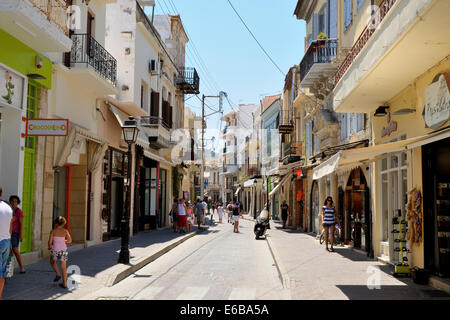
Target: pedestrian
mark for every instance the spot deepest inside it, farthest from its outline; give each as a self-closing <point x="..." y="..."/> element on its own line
<point x="190" y="215"/>
<point x="6" y="214"/>
<point x="17" y="229"/>
<point x="205" y="208"/>
<point x="236" y="214"/>
<point x="57" y="244"/>
<point x="173" y="214"/>
<point x="182" y="216"/>
<point x="230" y="212"/>
<point x="285" y="213"/>
<point x="199" y="211"/>
<point x="220" y="212"/>
<point x="328" y="219"/>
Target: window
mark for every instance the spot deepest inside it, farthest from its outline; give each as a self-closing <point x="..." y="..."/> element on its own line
<point x="308" y="133"/>
<point x="394" y="184"/>
<point x="348" y="13"/>
<point x="351" y="123"/>
<point x="144" y="96"/>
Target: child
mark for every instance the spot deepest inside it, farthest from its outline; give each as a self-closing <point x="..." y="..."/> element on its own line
<point x="57" y="244"/>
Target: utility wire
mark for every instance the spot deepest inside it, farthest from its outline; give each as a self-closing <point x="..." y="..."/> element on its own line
<point x="262" y="48"/>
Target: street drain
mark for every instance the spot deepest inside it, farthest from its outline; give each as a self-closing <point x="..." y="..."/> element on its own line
<point x="112" y="298"/>
<point x="436" y="293"/>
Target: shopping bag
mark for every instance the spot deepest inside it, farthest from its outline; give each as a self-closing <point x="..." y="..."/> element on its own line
<point x="10" y="267"/>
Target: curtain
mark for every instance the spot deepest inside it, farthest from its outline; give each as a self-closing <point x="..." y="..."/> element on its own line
<point x="348" y="14"/>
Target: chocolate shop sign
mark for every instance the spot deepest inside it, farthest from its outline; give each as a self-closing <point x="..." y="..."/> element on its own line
<point x="437" y="102"/>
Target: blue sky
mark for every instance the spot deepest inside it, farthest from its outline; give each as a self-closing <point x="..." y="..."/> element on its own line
<point x="231" y="56"/>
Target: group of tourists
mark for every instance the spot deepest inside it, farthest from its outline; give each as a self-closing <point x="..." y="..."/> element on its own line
<point x="11" y="235"/>
<point x="185" y="214"/>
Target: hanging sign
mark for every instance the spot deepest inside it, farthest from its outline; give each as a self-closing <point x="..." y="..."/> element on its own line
<point x="285" y="129"/>
<point x="437" y="102"/>
<point x="47" y="127"/>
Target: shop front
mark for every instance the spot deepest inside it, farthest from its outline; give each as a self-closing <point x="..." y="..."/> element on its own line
<point x="357" y="220"/>
<point x="115" y="167"/>
<point x="314" y="207"/>
<point x="22" y="96"/>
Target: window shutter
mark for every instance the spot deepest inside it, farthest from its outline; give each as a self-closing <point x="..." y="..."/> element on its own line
<point x="343" y="126"/>
<point x="348" y="14"/>
<point x="325" y="21"/>
<point x="315" y="26"/>
<point x="154" y="112"/>
<point x="170" y="116"/>
<point x="360" y="122"/>
<point x="333" y="19"/>
<point x="359" y="3"/>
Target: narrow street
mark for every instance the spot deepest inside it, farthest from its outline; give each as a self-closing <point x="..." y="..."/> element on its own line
<point x="217" y="264"/>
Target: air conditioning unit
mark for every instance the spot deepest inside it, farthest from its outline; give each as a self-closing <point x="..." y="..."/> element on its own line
<point x="152" y="67"/>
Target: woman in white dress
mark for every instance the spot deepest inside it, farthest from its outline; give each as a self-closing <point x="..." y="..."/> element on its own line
<point x="220" y="212"/>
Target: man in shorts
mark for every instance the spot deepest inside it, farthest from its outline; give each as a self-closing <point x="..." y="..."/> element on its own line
<point x="6" y="214"/>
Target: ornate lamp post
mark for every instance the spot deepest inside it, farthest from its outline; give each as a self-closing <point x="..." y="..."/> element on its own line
<point x="130" y="133"/>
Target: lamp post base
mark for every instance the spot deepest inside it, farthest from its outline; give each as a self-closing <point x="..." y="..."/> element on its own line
<point x="124" y="255"/>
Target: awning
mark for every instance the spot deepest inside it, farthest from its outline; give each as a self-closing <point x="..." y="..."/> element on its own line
<point x="327" y="167"/>
<point x="370" y="153"/>
<point x="95" y="148"/>
<point x="249" y="183"/>
<point x="155" y="157"/>
<point x="128" y="107"/>
<point x="237" y="191"/>
<point x="285" y="178"/>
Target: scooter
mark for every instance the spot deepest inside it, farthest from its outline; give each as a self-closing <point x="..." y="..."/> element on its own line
<point x="262" y="224"/>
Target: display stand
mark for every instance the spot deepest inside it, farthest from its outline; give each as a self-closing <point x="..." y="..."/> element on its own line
<point x="400" y="225"/>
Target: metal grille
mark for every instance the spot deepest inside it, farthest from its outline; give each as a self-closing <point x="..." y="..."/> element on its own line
<point x="87" y="51"/>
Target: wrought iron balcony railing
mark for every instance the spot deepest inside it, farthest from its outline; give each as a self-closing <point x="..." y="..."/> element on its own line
<point x="87" y="51"/>
<point x="188" y="80"/>
<point x="55" y="11"/>
<point x="319" y="51"/>
<point x="377" y="18"/>
<point x="154" y="121"/>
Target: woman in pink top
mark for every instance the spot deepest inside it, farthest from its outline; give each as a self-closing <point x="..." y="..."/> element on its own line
<point x="57" y="244"/>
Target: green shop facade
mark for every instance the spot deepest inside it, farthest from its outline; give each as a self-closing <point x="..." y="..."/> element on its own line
<point x="25" y="76"/>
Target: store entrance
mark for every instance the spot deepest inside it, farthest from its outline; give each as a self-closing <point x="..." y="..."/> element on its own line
<point x="436" y="206"/>
<point x="356" y="210"/>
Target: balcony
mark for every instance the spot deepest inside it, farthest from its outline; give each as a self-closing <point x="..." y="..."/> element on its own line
<point x="403" y="40"/>
<point x="87" y="53"/>
<point x="318" y="62"/>
<point x="158" y="131"/>
<point x="188" y="81"/>
<point x="41" y="24"/>
<point x="292" y="153"/>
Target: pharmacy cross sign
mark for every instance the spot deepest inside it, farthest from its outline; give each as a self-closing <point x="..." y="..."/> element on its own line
<point x="47" y="127"/>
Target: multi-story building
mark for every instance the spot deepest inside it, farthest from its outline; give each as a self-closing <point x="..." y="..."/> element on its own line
<point x="270" y="147"/>
<point x="238" y="125"/>
<point x="326" y="133"/>
<point x="152" y="82"/>
<point x="403" y="89"/>
<point x="109" y="63"/>
<point x="31" y="33"/>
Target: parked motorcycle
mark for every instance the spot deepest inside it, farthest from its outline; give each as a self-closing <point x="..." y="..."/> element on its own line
<point x="262" y="224"/>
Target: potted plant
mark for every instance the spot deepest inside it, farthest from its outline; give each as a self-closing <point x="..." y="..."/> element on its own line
<point x="322" y="36"/>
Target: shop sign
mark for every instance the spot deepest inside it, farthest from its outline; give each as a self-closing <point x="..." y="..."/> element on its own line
<point x="12" y="88"/>
<point x="285" y="129"/>
<point x="437" y="102"/>
<point x="391" y="127"/>
<point x="47" y="127"/>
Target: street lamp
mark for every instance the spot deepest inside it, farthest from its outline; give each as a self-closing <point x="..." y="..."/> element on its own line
<point x="130" y="132"/>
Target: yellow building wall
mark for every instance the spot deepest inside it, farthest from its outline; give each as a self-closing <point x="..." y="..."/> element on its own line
<point x="412" y="125"/>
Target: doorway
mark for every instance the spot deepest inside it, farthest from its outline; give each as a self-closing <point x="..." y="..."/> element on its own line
<point x="315" y="205"/>
<point x="436" y="207"/>
<point x="356" y="210"/>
